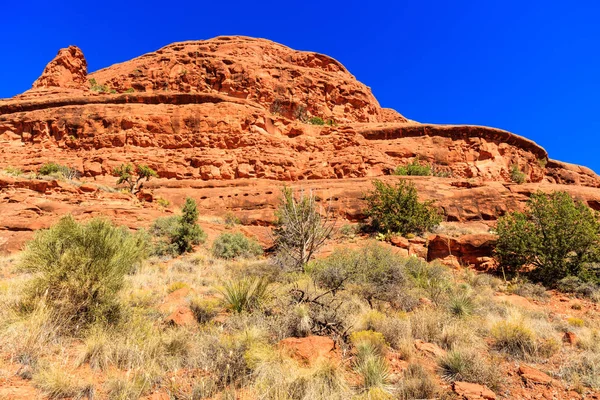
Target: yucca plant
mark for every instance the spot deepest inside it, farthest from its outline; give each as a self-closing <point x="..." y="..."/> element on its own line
<point x="372" y="367"/>
<point x="461" y="305"/>
<point x="245" y="294"/>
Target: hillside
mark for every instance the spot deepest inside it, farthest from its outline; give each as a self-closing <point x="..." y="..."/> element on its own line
<point x="227" y="124"/>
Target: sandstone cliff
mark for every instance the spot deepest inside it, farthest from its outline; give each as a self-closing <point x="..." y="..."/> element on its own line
<point x="227" y="120"/>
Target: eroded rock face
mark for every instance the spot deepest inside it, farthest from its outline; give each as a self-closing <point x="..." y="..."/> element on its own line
<point x="67" y="70"/>
<point x="226" y="121"/>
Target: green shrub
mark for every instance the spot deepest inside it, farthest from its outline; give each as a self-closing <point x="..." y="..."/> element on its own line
<point x="235" y="245"/>
<point x="55" y="169"/>
<point x="177" y="234"/>
<point x="134" y="177"/>
<point x="95" y="87"/>
<point x="245" y="294"/>
<point x="80" y="267"/>
<point x="556" y="235"/>
<point x="516" y="175"/>
<point x="397" y="209"/>
<point x="316" y="121"/>
<point x="414" y="169"/>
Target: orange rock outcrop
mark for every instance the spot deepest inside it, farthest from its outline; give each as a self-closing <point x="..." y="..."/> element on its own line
<point x="228" y="121"/>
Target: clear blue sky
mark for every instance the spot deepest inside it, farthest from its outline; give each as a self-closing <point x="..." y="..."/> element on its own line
<point x="528" y="66"/>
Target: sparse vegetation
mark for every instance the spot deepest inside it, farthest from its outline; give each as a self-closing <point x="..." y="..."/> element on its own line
<point x="235" y="245"/>
<point x="58" y="171"/>
<point x="397" y="209"/>
<point x="516" y="175"/>
<point x="380" y="308"/>
<point x="96" y="87"/>
<point x="134" y="176"/>
<point x="316" y="121"/>
<point x="414" y="168"/>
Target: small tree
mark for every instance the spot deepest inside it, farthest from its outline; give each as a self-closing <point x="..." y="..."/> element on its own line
<point x="177" y="234"/>
<point x="134" y="179"/>
<point x="397" y="209"/>
<point x="301" y="230"/>
<point x="555" y="237"/>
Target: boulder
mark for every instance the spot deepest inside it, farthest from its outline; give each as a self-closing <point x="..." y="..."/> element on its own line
<point x="473" y="391"/>
<point x="532" y="375"/>
<point x="308" y="349"/>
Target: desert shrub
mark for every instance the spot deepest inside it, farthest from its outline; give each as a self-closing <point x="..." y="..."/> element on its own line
<point x="80" y="267"/>
<point x="318" y="312"/>
<point x="590" y="341"/>
<point x="369" y="338"/>
<point x="281" y="379"/>
<point x="374" y="272"/>
<point x="55" y="169"/>
<point x="231" y="219"/>
<point x="177" y="234"/>
<point x="204" y="309"/>
<point x="348" y="231"/>
<point x="56" y="383"/>
<point x="555" y="235"/>
<point x="413" y="169"/>
<point x="396" y="331"/>
<point x="32" y="335"/>
<point x="575" y="322"/>
<point x="515" y="338"/>
<point x="245" y="294"/>
<point x="416" y="383"/>
<point x="526" y="289"/>
<point x="134" y="176"/>
<point x="301" y="230"/>
<point x="516" y="175"/>
<point x="13" y="171"/>
<point x="316" y="121"/>
<point x="431" y="278"/>
<point x="573" y="284"/>
<point x="397" y="209"/>
<point x="163" y="202"/>
<point x="584" y="369"/>
<point x="467" y="366"/>
<point x="234" y="245"/>
<point x="372" y="368"/>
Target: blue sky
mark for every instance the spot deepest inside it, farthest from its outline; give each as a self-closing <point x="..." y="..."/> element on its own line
<point x="531" y="67"/>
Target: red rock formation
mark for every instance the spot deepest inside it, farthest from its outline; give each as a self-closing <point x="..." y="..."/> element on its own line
<point x="226" y="120"/>
<point x="67" y="70"/>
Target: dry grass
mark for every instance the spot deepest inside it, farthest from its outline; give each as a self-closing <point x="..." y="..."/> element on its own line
<point x="221" y="357"/>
